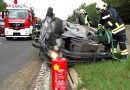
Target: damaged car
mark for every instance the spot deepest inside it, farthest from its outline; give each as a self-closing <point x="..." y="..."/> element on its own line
<point x="76" y="42"/>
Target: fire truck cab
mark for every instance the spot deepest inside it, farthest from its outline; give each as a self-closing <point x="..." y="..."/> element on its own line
<point x="18" y="21"/>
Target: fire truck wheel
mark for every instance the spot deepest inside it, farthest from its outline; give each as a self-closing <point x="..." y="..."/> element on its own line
<point x="8" y="38"/>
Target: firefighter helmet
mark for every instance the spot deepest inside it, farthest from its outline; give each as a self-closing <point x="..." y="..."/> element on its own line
<point x="82" y="11"/>
<point x="101" y="7"/>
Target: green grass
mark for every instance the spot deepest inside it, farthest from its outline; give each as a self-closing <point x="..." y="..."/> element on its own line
<point x="104" y="75"/>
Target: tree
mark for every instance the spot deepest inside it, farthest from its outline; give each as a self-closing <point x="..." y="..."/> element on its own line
<point x="73" y="16"/>
<point x="2" y="5"/>
<point x="92" y="13"/>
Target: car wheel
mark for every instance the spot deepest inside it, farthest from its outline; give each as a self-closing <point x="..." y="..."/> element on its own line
<point x="49" y="12"/>
<point x="56" y="26"/>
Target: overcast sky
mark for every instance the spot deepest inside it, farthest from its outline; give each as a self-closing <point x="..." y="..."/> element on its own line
<point x="62" y="8"/>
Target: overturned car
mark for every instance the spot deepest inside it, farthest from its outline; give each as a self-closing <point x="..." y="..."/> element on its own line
<point x="76" y="42"/>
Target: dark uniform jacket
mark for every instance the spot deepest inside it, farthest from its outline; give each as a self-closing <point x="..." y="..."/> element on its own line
<point x="111" y="20"/>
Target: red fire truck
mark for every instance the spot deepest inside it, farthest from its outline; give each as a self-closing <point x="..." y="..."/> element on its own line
<point x="18" y="21"/>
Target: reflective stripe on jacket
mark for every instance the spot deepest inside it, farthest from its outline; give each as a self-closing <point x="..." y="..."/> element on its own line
<point x="118" y="29"/>
<point x="111" y="20"/>
<point x="86" y="19"/>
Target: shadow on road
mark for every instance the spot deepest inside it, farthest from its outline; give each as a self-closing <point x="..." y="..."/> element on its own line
<point x="20" y="39"/>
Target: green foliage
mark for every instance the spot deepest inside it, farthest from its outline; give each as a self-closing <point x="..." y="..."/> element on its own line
<point x="122" y="6"/>
<point x="92" y="13"/>
<point x="2" y="5"/>
<point x="73" y="16"/>
<point x="104" y="75"/>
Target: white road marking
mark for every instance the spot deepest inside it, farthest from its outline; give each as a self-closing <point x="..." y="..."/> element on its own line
<point x="43" y="79"/>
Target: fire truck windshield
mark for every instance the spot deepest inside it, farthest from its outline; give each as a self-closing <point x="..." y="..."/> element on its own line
<point x="17" y="13"/>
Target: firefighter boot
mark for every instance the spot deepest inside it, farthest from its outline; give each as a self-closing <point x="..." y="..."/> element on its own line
<point x="124" y="57"/>
<point x="124" y="51"/>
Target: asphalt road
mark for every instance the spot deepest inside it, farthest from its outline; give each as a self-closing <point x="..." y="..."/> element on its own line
<point x="14" y="55"/>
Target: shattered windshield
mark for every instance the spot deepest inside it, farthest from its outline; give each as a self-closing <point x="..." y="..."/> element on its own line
<point x="17" y="14"/>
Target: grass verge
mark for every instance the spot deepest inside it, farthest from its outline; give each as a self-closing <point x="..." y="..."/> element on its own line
<point x="104" y="75"/>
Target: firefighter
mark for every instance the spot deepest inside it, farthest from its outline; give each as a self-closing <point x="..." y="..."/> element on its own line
<point x="37" y="25"/>
<point x="110" y="19"/>
<point x="83" y="18"/>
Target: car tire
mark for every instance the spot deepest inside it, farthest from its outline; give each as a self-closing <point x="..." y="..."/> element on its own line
<point x="56" y="31"/>
<point x="57" y="27"/>
<point x="49" y="12"/>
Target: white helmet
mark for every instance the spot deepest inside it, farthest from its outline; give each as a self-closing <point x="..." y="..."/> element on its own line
<point x="82" y="11"/>
<point x="101" y="6"/>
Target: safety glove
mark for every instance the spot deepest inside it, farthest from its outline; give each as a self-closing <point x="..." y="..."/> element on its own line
<point x="100" y="27"/>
